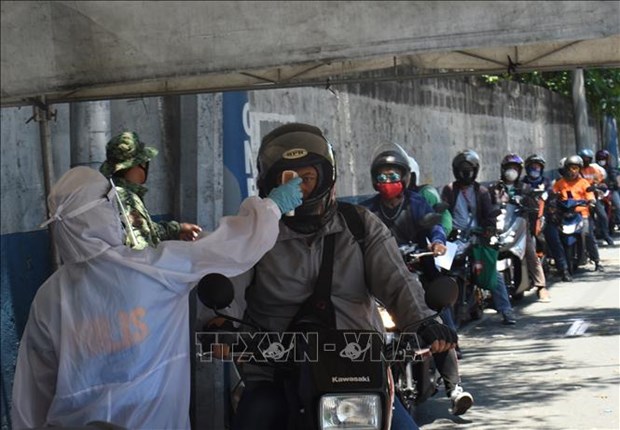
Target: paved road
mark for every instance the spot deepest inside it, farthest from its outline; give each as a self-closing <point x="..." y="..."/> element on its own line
<point x="558" y="368"/>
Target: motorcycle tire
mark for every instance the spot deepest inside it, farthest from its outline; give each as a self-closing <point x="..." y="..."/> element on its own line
<point x="476" y="310"/>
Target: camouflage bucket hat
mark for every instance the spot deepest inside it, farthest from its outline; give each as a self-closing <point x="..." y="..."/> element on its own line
<point x="125" y="151"/>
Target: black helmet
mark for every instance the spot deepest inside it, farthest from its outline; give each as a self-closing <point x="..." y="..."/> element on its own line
<point x="535" y="158"/>
<point x="464" y="162"/>
<point x="574" y="160"/>
<point x="392" y="155"/>
<point x="292" y="146"/>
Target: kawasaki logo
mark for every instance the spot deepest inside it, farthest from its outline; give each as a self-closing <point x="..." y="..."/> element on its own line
<point x="336" y="379"/>
<point x="295" y="153"/>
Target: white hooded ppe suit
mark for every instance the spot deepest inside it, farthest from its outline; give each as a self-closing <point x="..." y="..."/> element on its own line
<point x="107" y="336"/>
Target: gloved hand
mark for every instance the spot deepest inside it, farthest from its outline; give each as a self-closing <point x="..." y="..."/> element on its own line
<point x="439" y="336"/>
<point x="287" y="196"/>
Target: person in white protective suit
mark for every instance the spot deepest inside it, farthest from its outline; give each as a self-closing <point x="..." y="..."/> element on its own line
<point x="107" y="335"/>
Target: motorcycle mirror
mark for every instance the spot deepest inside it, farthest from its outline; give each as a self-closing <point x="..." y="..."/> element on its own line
<point x="429" y="220"/>
<point x="441" y="292"/>
<point x="215" y="291"/>
<point x="440" y="207"/>
<point x="495" y="212"/>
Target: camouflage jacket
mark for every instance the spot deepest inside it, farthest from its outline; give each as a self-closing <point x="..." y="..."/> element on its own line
<point x="146" y="231"/>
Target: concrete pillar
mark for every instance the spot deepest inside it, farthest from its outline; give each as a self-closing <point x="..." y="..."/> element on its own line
<point x="580" y="108"/>
<point x="199" y="198"/>
<point x="90" y="131"/>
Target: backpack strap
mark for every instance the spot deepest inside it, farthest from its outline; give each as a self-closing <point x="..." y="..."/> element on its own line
<point x="354" y="222"/>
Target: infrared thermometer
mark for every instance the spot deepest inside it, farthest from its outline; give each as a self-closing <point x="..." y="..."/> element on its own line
<point x="287" y="175"/>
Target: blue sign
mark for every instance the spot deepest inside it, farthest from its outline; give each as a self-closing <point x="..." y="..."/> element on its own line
<point x="238" y="178"/>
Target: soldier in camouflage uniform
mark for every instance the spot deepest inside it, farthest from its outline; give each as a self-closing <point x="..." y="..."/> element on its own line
<point x="127" y="161"/>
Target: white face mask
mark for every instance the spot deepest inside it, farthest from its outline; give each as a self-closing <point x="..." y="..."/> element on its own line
<point x="511" y="175"/>
<point x="602" y="163"/>
<point x="534" y="174"/>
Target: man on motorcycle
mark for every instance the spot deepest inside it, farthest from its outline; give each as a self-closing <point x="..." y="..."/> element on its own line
<point x="534" y="173"/>
<point x="603" y="159"/>
<point x="282" y="284"/>
<point x="471" y="207"/>
<point x="509" y="188"/>
<point x="596" y="175"/>
<point x="401" y="210"/>
<point x="572" y="186"/>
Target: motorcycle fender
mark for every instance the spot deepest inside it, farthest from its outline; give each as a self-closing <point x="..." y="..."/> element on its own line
<point x="503" y="264"/>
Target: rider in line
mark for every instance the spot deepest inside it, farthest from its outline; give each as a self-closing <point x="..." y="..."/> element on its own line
<point x="281" y="286"/>
<point x="603" y="159"/>
<point x="596" y="175"/>
<point x="401" y="210"/>
<point x="471" y="207"/>
<point x="572" y="186"/>
<point x="510" y="187"/>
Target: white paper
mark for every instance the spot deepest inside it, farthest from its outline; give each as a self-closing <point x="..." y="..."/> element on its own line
<point x="445" y="261"/>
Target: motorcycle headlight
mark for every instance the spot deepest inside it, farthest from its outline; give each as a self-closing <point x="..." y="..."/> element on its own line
<point x="350" y="411"/>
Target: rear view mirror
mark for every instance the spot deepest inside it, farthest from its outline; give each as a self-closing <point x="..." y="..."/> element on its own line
<point x="441" y="292"/>
<point x="495" y="212"/>
<point x="429" y="220"/>
<point x="215" y="291"/>
<point x="441" y="207"/>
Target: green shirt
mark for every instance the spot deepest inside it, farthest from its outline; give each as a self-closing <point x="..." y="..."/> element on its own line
<point x="431" y="196"/>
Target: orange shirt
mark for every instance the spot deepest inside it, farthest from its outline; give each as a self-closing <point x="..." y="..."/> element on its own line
<point x="574" y="190"/>
<point x="592" y="174"/>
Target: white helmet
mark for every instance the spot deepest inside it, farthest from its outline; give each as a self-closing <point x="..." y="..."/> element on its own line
<point x="415" y="170"/>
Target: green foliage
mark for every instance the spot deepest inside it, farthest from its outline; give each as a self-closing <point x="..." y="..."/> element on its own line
<point x="602" y="87"/>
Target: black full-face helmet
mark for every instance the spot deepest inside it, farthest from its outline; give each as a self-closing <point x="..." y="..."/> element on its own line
<point x="465" y="166"/>
<point x="394" y="156"/>
<point x="292" y="146"/>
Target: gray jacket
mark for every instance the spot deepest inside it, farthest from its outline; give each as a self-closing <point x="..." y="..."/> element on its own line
<point x="287" y="274"/>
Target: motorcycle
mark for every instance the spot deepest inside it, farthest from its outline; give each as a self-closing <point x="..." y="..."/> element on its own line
<point x="510" y="239"/>
<point x="571" y="232"/>
<point x="604" y="195"/>
<point x="333" y="378"/>
<point x="471" y="300"/>
<point x="416" y="378"/>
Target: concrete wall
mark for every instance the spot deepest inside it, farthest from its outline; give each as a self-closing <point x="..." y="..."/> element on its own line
<point x="432" y="119"/>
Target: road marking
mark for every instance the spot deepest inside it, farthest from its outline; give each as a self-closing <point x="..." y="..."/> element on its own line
<point x="578" y="328"/>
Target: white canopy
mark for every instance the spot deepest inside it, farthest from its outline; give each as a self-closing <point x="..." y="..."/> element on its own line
<point x="69" y="51"/>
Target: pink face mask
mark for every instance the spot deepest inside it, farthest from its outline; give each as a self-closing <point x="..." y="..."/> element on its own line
<point x="390" y="190"/>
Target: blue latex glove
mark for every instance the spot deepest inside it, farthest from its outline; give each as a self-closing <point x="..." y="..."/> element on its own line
<point x="287" y="196"/>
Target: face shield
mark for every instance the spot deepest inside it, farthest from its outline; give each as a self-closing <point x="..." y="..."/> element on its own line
<point x="295" y="146"/>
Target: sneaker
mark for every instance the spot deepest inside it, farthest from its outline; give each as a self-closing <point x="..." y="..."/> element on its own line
<point x="543" y="295"/>
<point x="566" y="276"/>
<point x="609" y="241"/>
<point x="461" y="400"/>
<point x="508" y="318"/>
<point x="598" y="267"/>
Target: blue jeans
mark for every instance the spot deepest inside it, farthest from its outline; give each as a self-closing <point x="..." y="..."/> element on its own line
<point x="500" y="296"/>
<point x="401" y="420"/>
<point x="264" y="406"/>
<point x="552" y="236"/>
